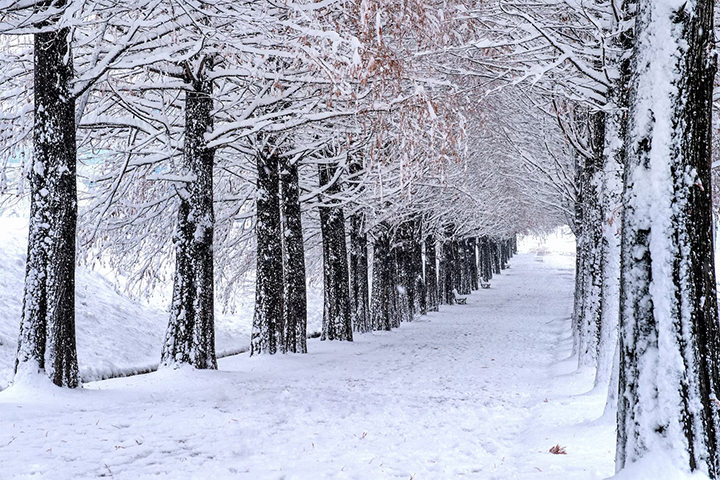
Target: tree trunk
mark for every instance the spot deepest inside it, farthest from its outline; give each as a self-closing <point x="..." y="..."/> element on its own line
<point x="420" y="287"/>
<point x="337" y="323"/>
<point x="383" y="298"/>
<point x="406" y="257"/>
<point x="580" y="257"/>
<point x="466" y="260"/>
<point x="497" y="262"/>
<point x="442" y="295"/>
<point x="294" y="286"/>
<point x="474" y="274"/>
<point x="669" y="339"/>
<point x="610" y="283"/>
<point x="359" y="287"/>
<point x="486" y="259"/>
<point x="359" y="269"/>
<point x="578" y="295"/>
<point x="431" y="279"/>
<point x="592" y="231"/>
<point x="611" y="197"/>
<point x="449" y="272"/>
<point x="47" y="329"/>
<point x="503" y="254"/>
<point x="268" y="329"/>
<point x="190" y="336"/>
<point x="416" y="267"/>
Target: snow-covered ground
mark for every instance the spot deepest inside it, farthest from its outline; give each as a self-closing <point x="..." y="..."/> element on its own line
<point x="115" y="335"/>
<point x="482" y="390"/>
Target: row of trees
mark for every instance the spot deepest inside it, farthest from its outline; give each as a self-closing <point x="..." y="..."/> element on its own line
<point x="260" y="126"/>
<point x="630" y="84"/>
<point x="395" y="133"/>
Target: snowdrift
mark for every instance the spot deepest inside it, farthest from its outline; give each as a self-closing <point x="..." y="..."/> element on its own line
<point x="116" y="336"/>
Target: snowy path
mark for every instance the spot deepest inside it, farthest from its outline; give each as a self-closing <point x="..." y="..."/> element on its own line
<point x="456" y="394"/>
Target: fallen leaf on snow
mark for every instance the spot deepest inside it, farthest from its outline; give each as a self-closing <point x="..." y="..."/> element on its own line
<point x="558" y="450"/>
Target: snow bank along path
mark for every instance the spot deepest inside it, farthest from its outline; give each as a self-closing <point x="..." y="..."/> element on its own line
<point x="457" y="394"/>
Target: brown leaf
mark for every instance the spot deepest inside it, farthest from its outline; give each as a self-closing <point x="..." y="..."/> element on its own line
<point x="558" y="450"/>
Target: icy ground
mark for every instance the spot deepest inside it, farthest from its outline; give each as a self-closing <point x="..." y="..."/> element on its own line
<point x="481" y="391"/>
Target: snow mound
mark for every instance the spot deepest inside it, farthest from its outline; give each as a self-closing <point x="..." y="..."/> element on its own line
<point x="659" y="466"/>
<point x="116" y="336"/>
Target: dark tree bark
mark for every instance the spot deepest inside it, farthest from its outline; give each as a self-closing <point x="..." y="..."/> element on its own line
<point x="268" y="329"/>
<point x="190" y="336"/>
<point x="337" y="322"/>
<point x="359" y="284"/>
<point x="669" y="339"/>
<point x="458" y="255"/>
<point x="472" y="253"/>
<point x="294" y="285"/>
<point x="449" y="272"/>
<point x="420" y="286"/>
<point x="416" y="261"/>
<point x="486" y="263"/>
<point x="431" y="278"/>
<point x="409" y="267"/>
<point x="399" y="260"/>
<point x="47" y="329"/>
<point x="383" y="306"/>
<point x="359" y="269"/>
<point x="468" y="266"/>
<point x="502" y="245"/>
<point x="441" y="275"/>
<point x="577" y="229"/>
<point x="496" y="260"/>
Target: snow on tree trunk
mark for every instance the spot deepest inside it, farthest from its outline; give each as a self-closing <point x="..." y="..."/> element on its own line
<point x="610" y="283"/>
<point x="580" y="258"/>
<point x="578" y="303"/>
<point x="190" y="336"/>
<point x="431" y="281"/>
<point x="47" y="329"/>
<point x="268" y="330"/>
<point x="668" y="321"/>
<point x="615" y="152"/>
<point x="294" y="286"/>
<point x="337" y="322"/>
<point x="590" y="179"/>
